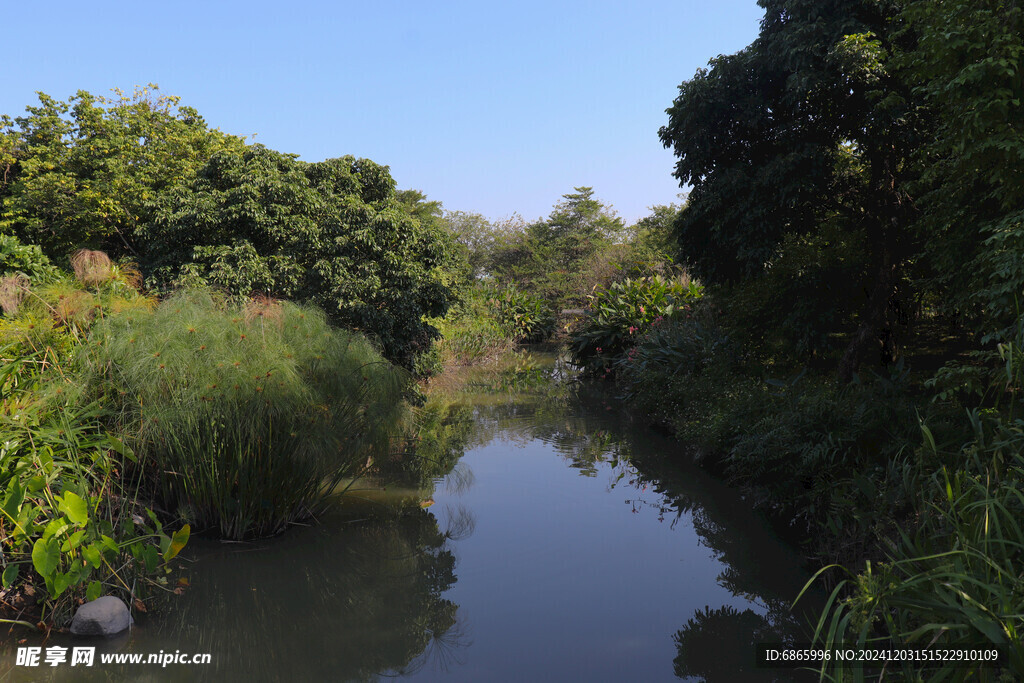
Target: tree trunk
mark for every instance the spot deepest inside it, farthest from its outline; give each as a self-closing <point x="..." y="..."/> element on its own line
<point x="885" y="220"/>
<point x="869" y="336"/>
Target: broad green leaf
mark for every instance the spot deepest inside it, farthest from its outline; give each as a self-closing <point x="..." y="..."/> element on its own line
<point x="109" y="543"/>
<point x="45" y="556"/>
<point x="56" y="527"/>
<point x="15" y="496"/>
<point x="92" y="555"/>
<point x="94" y="590"/>
<point x="60" y="584"/>
<point x="73" y="541"/>
<point x="10" y="574"/>
<point x="151" y="558"/>
<point x="178" y="542"/>
<point x="75" y="508"/>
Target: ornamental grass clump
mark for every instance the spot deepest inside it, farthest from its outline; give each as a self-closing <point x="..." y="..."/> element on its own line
<point x="246" y="418"/>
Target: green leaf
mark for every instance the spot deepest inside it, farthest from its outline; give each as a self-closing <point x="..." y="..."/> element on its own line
<point x="73" y="541"/>
<point x="45" y="557"/>
<point x="178" y="542"/>
<point x="75" y="508"/>
<point x="10" y="574"/>
<point x="94" y="590"/>
<point x="55" y="528"/>
<point x="60" y="584"/>
<point x="151" y="558"/>
<point x="92" y="555"/>
<point x="118" y="446"/>
<point x="109" y="544"/>
<point x="15" y="496"/>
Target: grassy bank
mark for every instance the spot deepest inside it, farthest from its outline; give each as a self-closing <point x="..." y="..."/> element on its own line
<point x="907" y="487"/>
<point x="130" y="422"/>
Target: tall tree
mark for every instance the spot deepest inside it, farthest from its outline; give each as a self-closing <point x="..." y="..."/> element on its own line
<point x="803" y="134"/>
<point x="966" y="67"/>
<point x="86" y="172"/>
<point x="550" y="256"/>
<point x="332" y="232"/>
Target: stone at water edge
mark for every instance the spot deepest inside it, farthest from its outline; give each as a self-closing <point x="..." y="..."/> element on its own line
<point x="104" y="616"/>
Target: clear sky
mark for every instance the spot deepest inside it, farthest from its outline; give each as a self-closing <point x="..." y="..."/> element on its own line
<point x="488" y="107"/>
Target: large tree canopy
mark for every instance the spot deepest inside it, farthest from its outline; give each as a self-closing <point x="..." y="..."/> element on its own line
<point x="802" y="136"/>
<point x="967" y="69"/>
<point x="332" y="232"/>
<point x="550" y="255"/>
<point x="147" y="180"/>
<point x="84" y="173"/>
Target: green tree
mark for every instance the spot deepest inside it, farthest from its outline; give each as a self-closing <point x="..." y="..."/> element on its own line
<point x="477" y="238"/>
<point x="803" y="136"/>
<point x="333" y="233"/>
<point x="85" y="173"/>
<point x="416" y="203"/>
<point x="552" y="257"/>
<point x="966" y="67"/>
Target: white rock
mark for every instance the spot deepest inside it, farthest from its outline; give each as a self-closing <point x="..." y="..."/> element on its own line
<point x="104" y="616"/>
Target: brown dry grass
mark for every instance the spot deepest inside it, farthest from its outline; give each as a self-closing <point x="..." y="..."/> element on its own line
<point x="264" y="307"/>
<point x="12" y="290"/>
<point x="91" y="267"/>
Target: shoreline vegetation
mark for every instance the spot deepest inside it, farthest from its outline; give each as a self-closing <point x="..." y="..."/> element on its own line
<point x="200" y="335"/>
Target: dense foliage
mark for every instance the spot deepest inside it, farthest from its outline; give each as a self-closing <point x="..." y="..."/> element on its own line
<point x="245" y="418"/>
<point x="71" y="525"/>
<point x="855" y="211"/>
<point x="621" y="313"/>
<point x="145" y="179"/>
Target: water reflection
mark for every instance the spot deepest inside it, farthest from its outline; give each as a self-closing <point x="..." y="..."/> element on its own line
<point x="718" y="645"/>
<point x="348" y="600"/>
<point x="370" y="591"/>
<point x="585" y="540"/>
<point x="594" y="436"/>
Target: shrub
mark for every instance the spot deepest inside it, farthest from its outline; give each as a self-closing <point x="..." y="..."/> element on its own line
<point x="471" y="332"/>
<point x="619" y="314"/>
<point x="245" y="418"/>
<point x="954" y="579"/>
<point x="27" y="259"/>
<point x="69" y="525"/>
<point x="524" y="317"/>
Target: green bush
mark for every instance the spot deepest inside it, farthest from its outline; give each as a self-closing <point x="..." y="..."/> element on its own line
<point x="953" y="579"/>
<point x="621" y="313"/>
<point x="245" y="418"/>
<point x="69" y="523"/>
<point x="524" y="317"/>
<point x="471" y="331"/>
<point x="332" y="234"/>
<point x="27" y="259"/>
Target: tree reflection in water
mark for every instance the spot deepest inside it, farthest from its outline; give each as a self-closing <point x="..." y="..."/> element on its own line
<point x="339" y="601"/>
<point x="586" y="426"/>
<point x="719" y="644"/>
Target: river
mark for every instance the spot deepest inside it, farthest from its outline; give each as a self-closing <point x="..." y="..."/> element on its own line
<point x="560" y="540"/>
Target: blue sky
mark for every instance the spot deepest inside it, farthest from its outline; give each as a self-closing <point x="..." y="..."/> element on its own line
<point x="488" y="107"/>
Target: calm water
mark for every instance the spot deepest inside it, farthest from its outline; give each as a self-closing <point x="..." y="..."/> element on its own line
<point x="567" y="544"/>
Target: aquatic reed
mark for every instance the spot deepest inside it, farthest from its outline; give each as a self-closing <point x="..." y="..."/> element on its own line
<point x="246" y="417"/>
